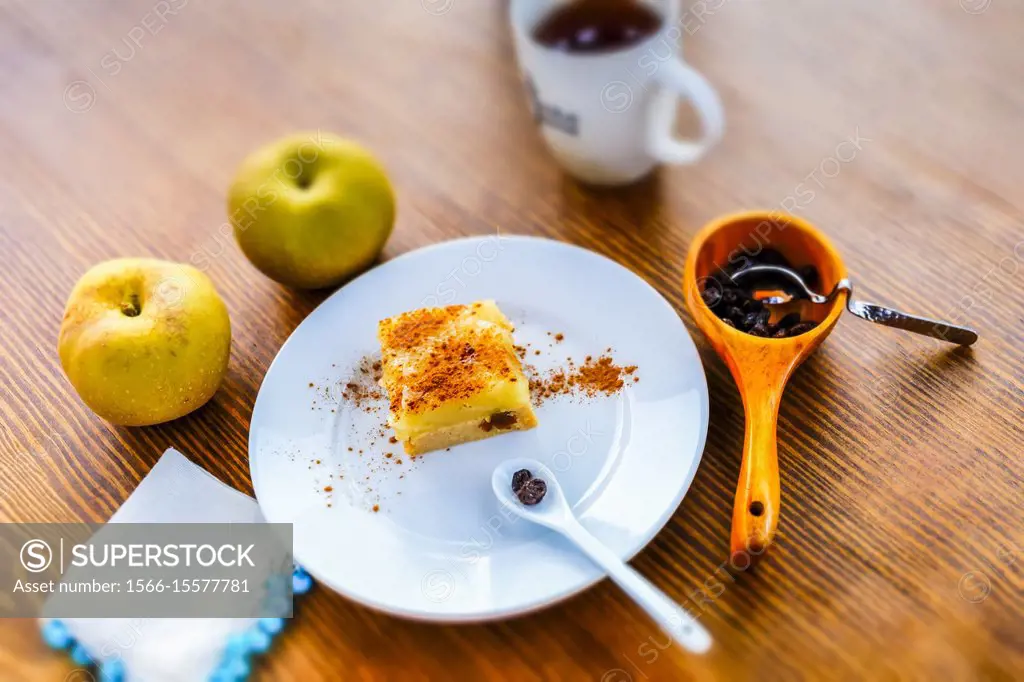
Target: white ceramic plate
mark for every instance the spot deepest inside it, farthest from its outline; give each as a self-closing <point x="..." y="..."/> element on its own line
<point x="440" y="548"/>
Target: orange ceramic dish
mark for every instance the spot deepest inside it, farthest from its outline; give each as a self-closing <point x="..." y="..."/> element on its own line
<point x="761" y="366"/>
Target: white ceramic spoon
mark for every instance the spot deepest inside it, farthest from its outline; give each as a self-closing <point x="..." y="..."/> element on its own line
<point x="554" y="512"/>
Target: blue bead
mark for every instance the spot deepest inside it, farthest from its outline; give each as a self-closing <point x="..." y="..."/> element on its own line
<point x="112" y="671"/>
<point x="80" y="656"/>
<point x="236" y="669"/>
<point x="259" y="641"/>
<point x="301" y="583"/>
<point x="238" y="646"/>
<point x="223" y="675"/>
<point x="271" y="626"/>
<point x="299" y="570"/>
<point x="56" y="635"/>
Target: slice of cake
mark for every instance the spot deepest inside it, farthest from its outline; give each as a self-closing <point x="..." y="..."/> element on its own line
<point x="452" y="376"/>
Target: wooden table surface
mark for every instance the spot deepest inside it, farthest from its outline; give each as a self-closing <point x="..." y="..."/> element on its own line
<point x="901" y="545"/>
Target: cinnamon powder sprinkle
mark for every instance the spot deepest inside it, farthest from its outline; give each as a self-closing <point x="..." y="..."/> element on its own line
<point x="449" y="362"/>
<point x="455" y="365"/>
<point x="361" y="390"/>
<point x="596" y="376"/>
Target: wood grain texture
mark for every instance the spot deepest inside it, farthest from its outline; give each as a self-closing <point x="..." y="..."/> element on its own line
<point x="900" y="548"/>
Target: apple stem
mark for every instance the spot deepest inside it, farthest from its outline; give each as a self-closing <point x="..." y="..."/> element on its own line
<point x="132" y="307"/>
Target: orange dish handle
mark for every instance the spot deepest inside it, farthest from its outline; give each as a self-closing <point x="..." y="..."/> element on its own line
<point x="755" y="514"/>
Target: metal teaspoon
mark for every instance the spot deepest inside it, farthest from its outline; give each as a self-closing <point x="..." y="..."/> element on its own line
<point x="871" y="312"/>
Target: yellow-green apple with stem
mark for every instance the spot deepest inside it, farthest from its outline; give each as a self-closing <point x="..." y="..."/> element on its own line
<point x="144" y="341"/>
<point x="311" y="210"/>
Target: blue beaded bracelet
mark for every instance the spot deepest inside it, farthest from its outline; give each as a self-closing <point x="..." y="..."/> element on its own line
<point x="235" y="665"/>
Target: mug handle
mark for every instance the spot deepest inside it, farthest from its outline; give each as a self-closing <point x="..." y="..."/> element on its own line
<point x="676" y="79"/>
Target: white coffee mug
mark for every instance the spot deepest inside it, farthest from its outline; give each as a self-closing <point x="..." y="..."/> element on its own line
<point x="609" y="116"/>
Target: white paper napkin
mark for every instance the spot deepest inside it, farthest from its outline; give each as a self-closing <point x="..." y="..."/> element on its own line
<point x="168" y="649"/>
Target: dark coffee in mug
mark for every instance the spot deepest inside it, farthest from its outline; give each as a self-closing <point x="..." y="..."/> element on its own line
<point x="597" y="26"/>
<point x="607" y="119"/>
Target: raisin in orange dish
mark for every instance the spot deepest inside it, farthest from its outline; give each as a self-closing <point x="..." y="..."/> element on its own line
<point x="452" y="376"/>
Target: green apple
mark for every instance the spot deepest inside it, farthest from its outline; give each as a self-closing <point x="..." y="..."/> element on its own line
<point x="144" y="341"/>
<point x="311" y="210"/>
